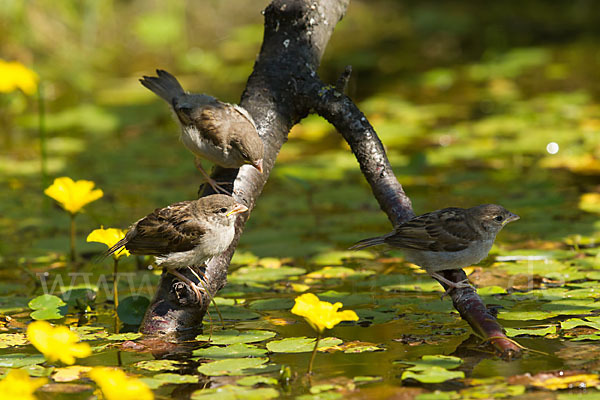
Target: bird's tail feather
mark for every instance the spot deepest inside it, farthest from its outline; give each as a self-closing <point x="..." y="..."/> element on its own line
<point x="164" y="85"/>
<point x="121" y="243"/>
<point x="368" y="243"/>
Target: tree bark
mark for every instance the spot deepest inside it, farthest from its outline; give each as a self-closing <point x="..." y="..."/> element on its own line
<point x="283" y="88"/>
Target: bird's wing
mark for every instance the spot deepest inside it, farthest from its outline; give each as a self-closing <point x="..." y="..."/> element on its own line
<point x="166" y="230"/>
<point x="443" y="230"/>
<point x="244" y="113"/>
<point x="213" y="122"/>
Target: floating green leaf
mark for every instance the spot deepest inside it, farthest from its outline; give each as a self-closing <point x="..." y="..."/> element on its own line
<point x="47" y="307"/>
<point x="256" y="379"/>
<point x="432" y="375"/>
<point x="366" y="379"/>
<point x="300" y="344"/>
<point x="169" y="378"/>
<point x="262" y="274"/>
<point x="17" y="360"/>
<point x="272" y="304"/>
<point x="124" y="336"/>
<point x="80" y="299"/>
<point x="12" y="339"/>
<point x="513" y="332"/>
<point x="234" y="313"/>
<point x="131" y="309"/>
<point x="231" y="392"/>
<point x="231" y="351"/>
<point x="232" y="336"/>
<point x="232" y="366"/>
<point x="340" y="272"/>
<point x="158" y="365"/>
<point x="442" y="361"/>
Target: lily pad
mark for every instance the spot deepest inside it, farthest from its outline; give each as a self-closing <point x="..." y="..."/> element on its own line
<point x="17" y="360"/>
<point x="47" y="307"/>
<point x="433" y="375"/>
<point x="262" y="274"/>
<point x="12" y="339"/>
<point x="234" y="313"/>
<point x="158" y="365"/>
<point x="232" y="366"/>
<point x="232" y="336"/>
<point x="231" y="351"/>
<point x="575" y="322"/>
<point x="513" y="332"/>
<point x="131" y="309"/>
<point x="124" y="336"/>
<point x="338" y="257"/>
<point x="448" y="362"/>
<point x="80" y="299"/>
<point x="255" y="380"/>
<point x="272" y="304"/>
<point x="300" y="344"/>
<point x="169" y="378"/>
<point x="339" y="272"/>
<point x="231" y="392"/>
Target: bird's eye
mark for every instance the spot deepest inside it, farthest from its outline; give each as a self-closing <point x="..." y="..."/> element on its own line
<point x="223" y="210"/>
<point x="499" y="218"/>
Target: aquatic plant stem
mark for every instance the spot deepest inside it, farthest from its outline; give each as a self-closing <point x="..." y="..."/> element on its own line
<point x="73" y="254"/>
<point x="314" y="354"/>
<point x="42" y="137"/>
<point x="116" y="283"/>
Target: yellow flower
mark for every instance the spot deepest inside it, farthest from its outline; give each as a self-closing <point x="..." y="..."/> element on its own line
<point x="321" y="314"/>
<point x="72" y="196"/>
<point x="58" y="343"/>
<point x="14" y="75"/>
<point x="116" y="385"/>
<point x="109" y="237"/>
<point x="18" y="385"/>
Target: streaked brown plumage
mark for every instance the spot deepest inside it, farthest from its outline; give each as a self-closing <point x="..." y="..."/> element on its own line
<point x="445" y="239"/>
<point x="222" y="133"/>
<point x="184" y="234"/>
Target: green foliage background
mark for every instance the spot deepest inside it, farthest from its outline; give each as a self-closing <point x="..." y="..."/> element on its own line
<point x="466" y="96"/>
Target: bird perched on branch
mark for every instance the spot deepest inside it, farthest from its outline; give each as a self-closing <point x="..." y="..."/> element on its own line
<point x="222" y="133"/>
<point x="184" y="234"/>
<point x="450" y="238"/>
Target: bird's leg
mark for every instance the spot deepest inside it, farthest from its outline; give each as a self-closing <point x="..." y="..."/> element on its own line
<point x="206" y="290"/>
<point x="451" y="285"/>
<point x="197" y="291"/>
<point x="216" y="186"/>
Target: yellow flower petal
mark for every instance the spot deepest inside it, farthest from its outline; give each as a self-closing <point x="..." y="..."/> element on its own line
<point x="321" y="314"/>
<point x="72" y="196"/>
<point x="109" y="237"/>
<point x="116" y="385"/>
<point x="14" y="75"/>
<point x="18" y="385"/>
<point x="58" y="343"/>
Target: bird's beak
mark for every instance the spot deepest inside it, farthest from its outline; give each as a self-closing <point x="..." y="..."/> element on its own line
<point x="258" y="165"/>
<point x="512" y="217"/>
<point x="239" y="208"/>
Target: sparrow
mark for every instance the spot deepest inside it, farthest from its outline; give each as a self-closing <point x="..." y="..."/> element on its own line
<point x="450" y="238"/>
<point x="184" y="234"/>
<point x="222" y="133"/>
